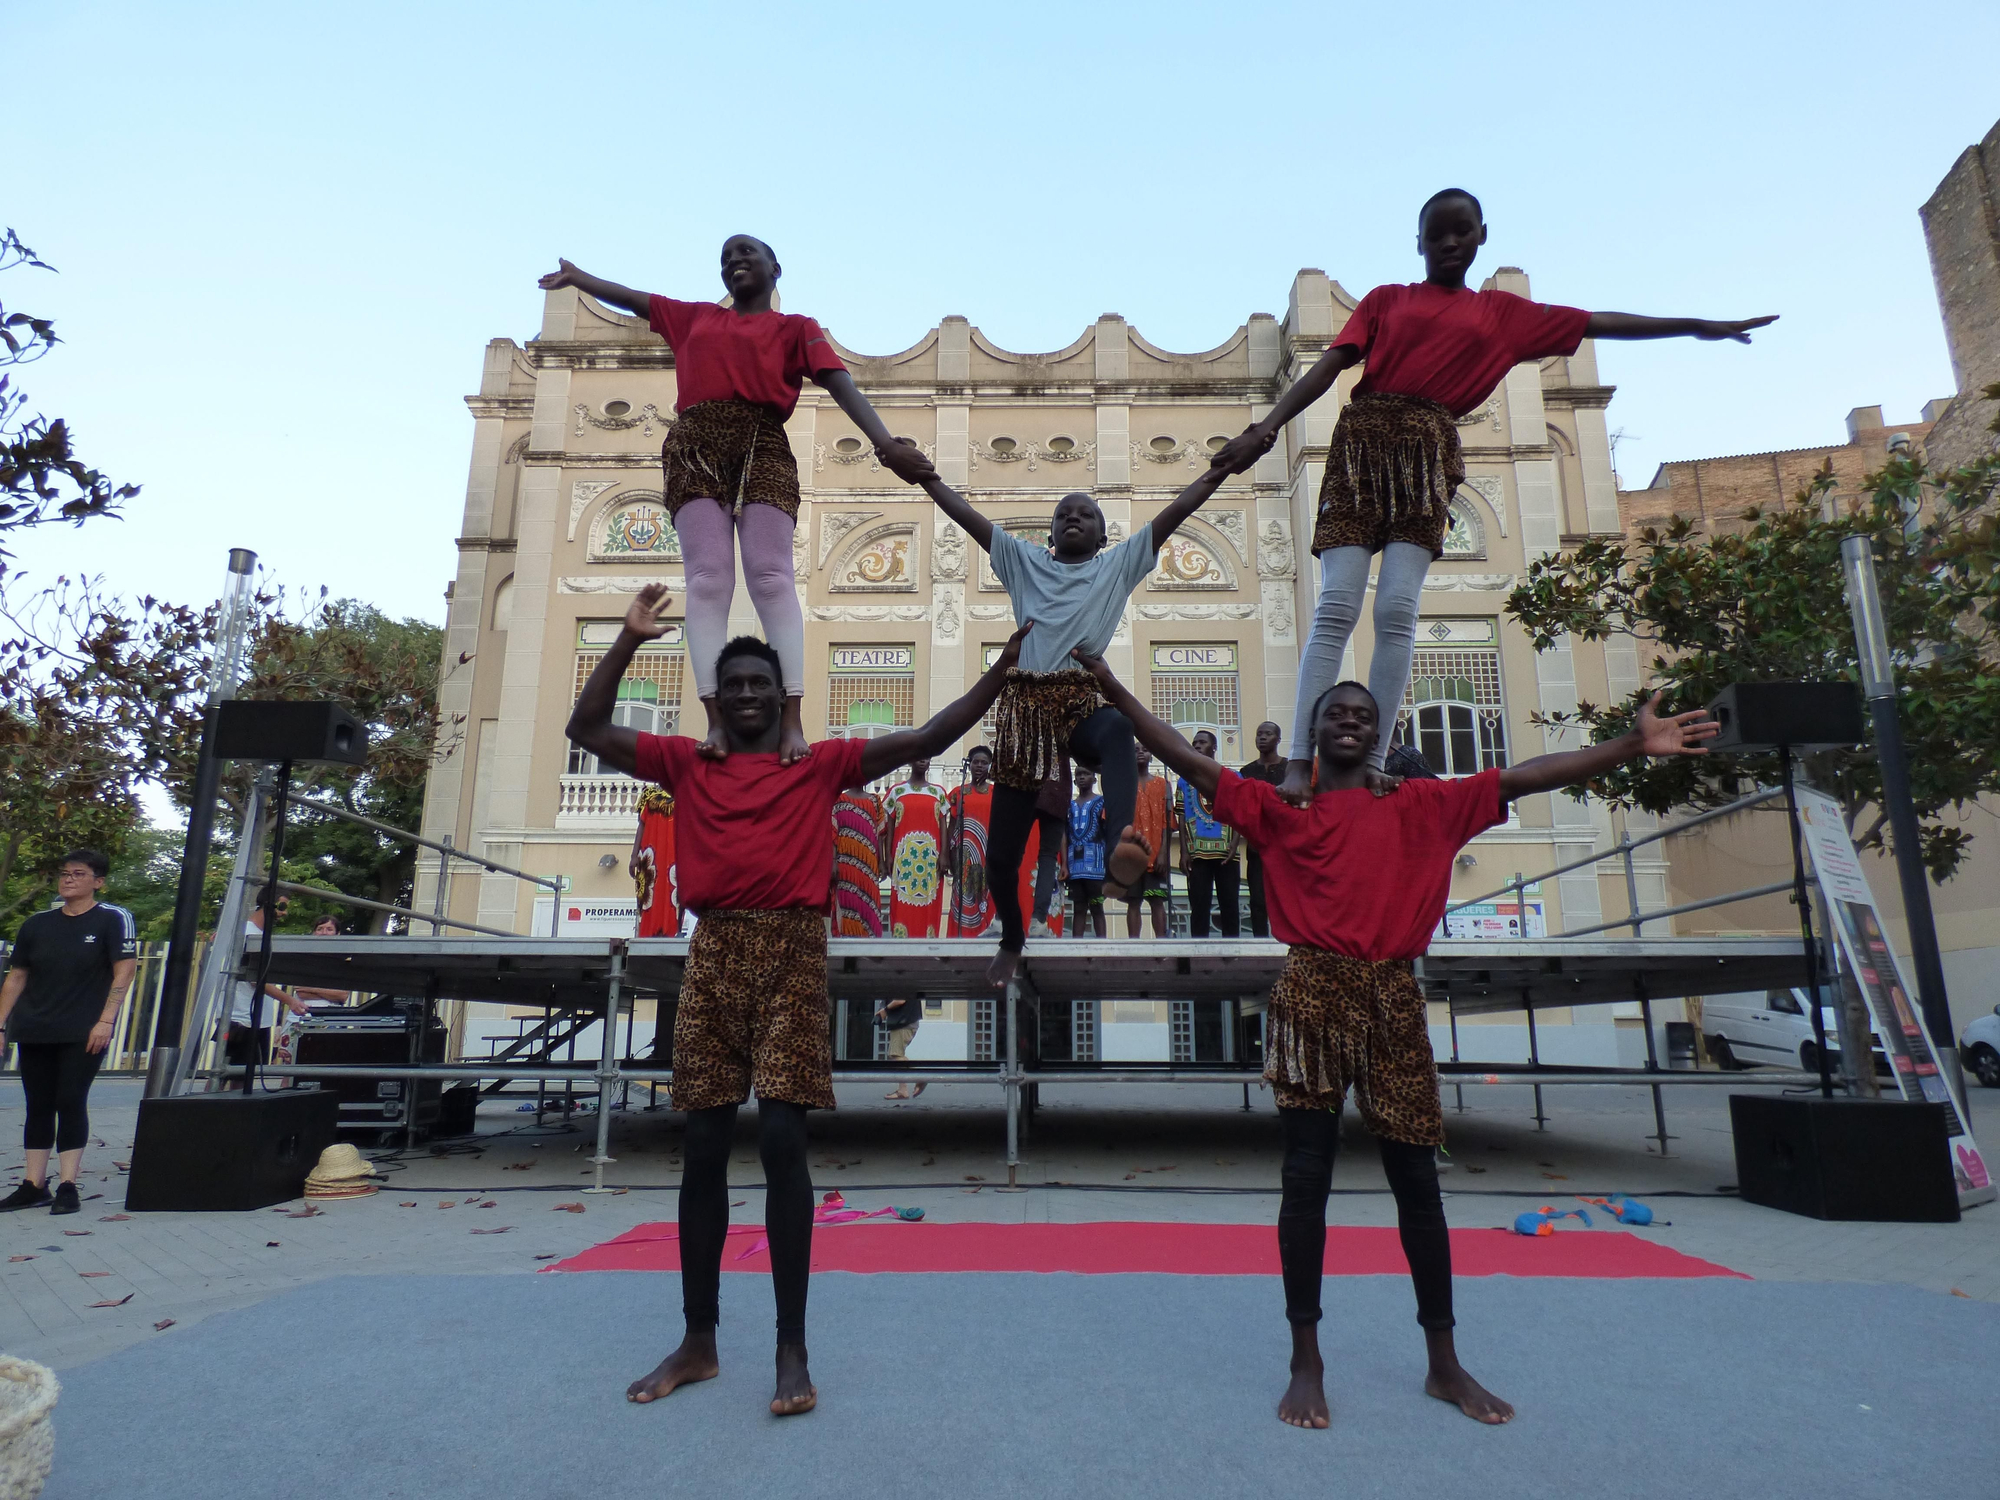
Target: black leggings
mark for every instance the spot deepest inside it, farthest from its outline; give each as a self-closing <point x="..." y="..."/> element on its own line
<point x="1260" y="923"/>
<point x="56" y="1077"/>
<point x="1104" y="743"/>
<point x="788" y="1211"/>
<point x="1311" y="1138"/>
<point x="1219" y="876"/>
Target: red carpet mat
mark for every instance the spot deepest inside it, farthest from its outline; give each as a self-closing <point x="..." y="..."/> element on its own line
<point x="1176" y="1249"/>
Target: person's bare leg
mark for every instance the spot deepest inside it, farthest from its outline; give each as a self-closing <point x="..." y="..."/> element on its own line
<point x="35" y="1167"/>
<point x="1132" y="906"/>
<point x="1304" y="1401"/>
<point x="1004" y="965"/>
<point x="69" y="1163"/>
<point x="694" y="1360"/>
<point x="1159" y="916"/>
<point x="1448" y="1381"/>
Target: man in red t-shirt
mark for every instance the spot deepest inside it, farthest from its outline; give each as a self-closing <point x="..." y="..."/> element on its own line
<point x="754" y="848"/>
<point x="1431" y="352"/>
<point x="1356" y="884"/>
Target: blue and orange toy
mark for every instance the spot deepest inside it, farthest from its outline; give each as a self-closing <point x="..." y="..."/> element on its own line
<point x="1543" y="1220"/>
<point x="1625" y="1210"/>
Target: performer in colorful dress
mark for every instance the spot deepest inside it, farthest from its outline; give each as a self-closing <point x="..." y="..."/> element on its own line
<point x="916" y="854"/>
<point x="857" y="864"/>
<point x="1208" y="854"/>
<point x="1086" y="855"/>
<point x="969" y="814"/>
<point x="652" y="865"/>
<point x="1432" y="352"/>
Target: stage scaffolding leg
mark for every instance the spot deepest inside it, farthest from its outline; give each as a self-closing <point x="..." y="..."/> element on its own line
<point x="1652" y="1064"/>
<point x="1451" y="1011"/>
<point x="1011" y="1083"/>
<point x="1534" y="1059"/>
<point x="607" y="1070"/>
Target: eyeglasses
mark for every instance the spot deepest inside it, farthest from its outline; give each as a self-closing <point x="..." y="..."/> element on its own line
<point x="76" y="873"/>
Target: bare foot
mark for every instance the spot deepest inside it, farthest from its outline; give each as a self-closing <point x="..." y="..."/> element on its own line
<point x="796" y="1392"/>
<point x="1448" y="1381"/>
<point x="714" y="747"/>
<point x="1380" y="782"/>
<point x="694" y="1360"/>
<point x="1296" y="788"/>
<point x="791" y="734"/>
<point x="1127" y="863"/>
<point x="1304" y="1401"/>
<point x="899" y="1094"/>
<point x="1002" y="969"/>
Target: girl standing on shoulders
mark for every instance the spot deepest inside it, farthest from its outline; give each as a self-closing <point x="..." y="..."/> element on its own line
<point x="730" y="474"/>
<point x="1433" y="352"/>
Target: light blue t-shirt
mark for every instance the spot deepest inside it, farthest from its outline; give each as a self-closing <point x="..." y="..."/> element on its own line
<point x="1072" y="604"/>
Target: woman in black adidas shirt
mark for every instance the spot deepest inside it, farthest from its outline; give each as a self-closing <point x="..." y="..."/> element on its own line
<point x="66" y="978"/>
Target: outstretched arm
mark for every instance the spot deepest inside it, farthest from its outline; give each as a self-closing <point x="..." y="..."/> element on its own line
<point x="1680" y="734"/>
<point x="955" y="505"/>
<point x="590" y="723"/>
<point x="1186" y="503"/>
<point x="639" y="304"/>
<point x="1158" y="736"/>
<point x="948" y="723"/>
<point x="1617" y="325"/>
<point x="1254" y="441"/>
<point x="905" y="460"/>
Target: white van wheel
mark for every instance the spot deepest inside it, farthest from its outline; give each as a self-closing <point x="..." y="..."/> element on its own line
<point x="1719" y="1053"/>
<point x="1986" y="1066"/>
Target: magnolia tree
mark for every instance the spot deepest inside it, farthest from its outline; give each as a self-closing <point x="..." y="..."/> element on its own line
<point x="1766" y="603"/>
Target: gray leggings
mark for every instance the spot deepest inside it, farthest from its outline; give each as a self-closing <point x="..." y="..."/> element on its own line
<point x="1343" y="585"/>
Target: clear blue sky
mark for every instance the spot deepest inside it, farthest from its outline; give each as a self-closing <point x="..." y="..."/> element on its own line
<point x="286" y="232"/>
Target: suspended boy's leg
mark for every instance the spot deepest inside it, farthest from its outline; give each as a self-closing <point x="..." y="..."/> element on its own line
<point x="1399" y="589"/>
<point x="1343" y="586"/>
<point x="707" y="531"/>
<point x="766" y="540"/>
<point x="1104" y="741"/>
<point x="1006" y="844"/>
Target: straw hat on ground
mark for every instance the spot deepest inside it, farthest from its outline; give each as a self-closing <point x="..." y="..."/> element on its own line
<point x="342" y="1173"/>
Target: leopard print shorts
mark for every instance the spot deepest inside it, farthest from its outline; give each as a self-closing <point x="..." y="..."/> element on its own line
<point x="753" y="1011"/>
<point x="1391" y="470"/>
<point x="733" y="452"/>
<point x="1337" y="1022"/>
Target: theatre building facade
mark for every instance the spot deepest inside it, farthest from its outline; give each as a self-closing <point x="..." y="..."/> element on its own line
<point x="563" y="523"/>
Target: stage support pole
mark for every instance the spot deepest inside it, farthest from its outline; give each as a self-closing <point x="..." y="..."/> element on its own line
<point x="267" y="903"/>
<point x="232" y="627"/>
<point x="1534" y="1057"/>
<point x="1878" y="684"/>
<point x="1808" y="942"/>
<point x="607" y="1068"/>
<point x="1012" y="1083"/>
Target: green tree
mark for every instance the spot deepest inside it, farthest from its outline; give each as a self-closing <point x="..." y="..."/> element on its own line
<point x="1766" y="603"/>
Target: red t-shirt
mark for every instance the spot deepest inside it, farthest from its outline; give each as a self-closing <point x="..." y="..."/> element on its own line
<point x="763" y="357"/>
<point x="749" y="834"/>
<point x="1454" y="347"/>
<point x="1358" y="874"/>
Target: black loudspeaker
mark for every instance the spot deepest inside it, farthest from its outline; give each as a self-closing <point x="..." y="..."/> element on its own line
<point x="322" y="733"/>
<point x="205" y="1153"/>
<point x="1875" y="1159"/>
<point x="1759" y="716"/>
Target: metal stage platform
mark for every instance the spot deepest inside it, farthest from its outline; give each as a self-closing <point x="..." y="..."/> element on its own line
<point x="580" y="981"/>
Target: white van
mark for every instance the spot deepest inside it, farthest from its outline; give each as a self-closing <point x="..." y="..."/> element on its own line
<point x="1772" y="1028"/>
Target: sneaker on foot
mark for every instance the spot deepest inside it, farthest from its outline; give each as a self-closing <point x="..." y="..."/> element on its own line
<point x="1040" y="928"/>
<point x="66" y="1199"/>
<point x="27" y="1195"/>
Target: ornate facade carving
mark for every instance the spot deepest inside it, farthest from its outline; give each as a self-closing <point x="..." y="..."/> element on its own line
<point x="1191" y="451"/>
<point x="1197" y="611"/>
<point x="835" y="524"/>
<point x="614" y="583"/>
<point x="1275" y="558"/>
<point x="948" y="552"/>
<point x="1489" y="413"/>
<point x="1233" y="527"/>
<point x="1489" y="488"/>
<point x="863" y="614"/>
<point x="1463" y="583"/>
<point x="1034" y="454"/>
<point x="861" y="453"/>
<point x="991" y="611"/>
<point x="580" y="495"/>
<point x="1191" y="560"/>
<point x="1465" y="536"/>
<point x="648" y="417"/>
<point x="1278" y="610"/>
<point x="800" y="572"/>
<point x="633" y="527"/>
<point x="946" y="621"/>
<point x="878" y="562"/>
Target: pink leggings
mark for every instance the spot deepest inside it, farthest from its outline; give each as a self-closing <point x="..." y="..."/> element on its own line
<point x="707" y="531"/>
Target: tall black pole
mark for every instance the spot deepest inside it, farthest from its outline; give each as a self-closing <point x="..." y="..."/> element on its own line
<point x="1806" y="938"/>
<point x="1878" y="682"/>
<point x="172" y="1014"/>
<point x="267" y="902"/>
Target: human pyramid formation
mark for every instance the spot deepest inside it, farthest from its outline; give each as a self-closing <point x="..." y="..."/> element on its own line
<point x="1357" y="865"/>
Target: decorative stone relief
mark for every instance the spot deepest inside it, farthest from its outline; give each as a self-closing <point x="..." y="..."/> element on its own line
<point x="861" y="452"/>
<point x="1191" y="559"/>
<point x="946" y="621"/>
<point x="1231" y="524"/>
<point x="836" y="524"/>
<point x="877" y="562"/>
<point x="1489" y="488"/>
<point x="1463" y="583"/>
<point x="1075" y="453"/>
<point x="948" y="552"/>
<point x="991" y="611"/>
<point x="1490" y="412"/>
<point x="634" y="527"/>
<point x="1464" y="537"/>
<point x="1275" y="558"/>
<point x="1197" y="611"/>
<point x="580" y="495"/>
<point x="615" y="583"/>
<point x="865" y="613"/>
<point x="1033" y="454"/>
<point x="1278" y="610"/>
<point x="799" y="531"/>
<point x="648" y="417"/>
<point x="1190" y="450"/>
<point x="1114" y="532"/>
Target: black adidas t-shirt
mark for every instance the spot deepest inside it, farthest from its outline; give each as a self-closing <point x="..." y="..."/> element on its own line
<point x="69" y="961"/>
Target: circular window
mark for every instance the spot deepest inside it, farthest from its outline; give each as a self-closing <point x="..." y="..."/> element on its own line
<point x="1217" y="443"/>
<point x="1062" y="445"/>
<point x="1003" y="445"/>
<point x="1163" y="445"/>
<point x="616" y="408"/>
<point x="848" y="445"/>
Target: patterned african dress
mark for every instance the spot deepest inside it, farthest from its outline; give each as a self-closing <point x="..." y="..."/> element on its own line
<point x="857" y="865"/>
<point x="965" y="858"/>
<point x="916" y="863"/>
<point x="658" y="888"/>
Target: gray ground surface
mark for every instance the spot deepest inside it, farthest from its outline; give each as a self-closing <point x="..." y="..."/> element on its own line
<point x="1095" y="1151"/>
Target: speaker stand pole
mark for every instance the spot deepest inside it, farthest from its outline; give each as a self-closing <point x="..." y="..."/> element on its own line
<point x="267" y="902"/>
<point x="607" y="1067"/>
<point x="1809" y="944"/>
